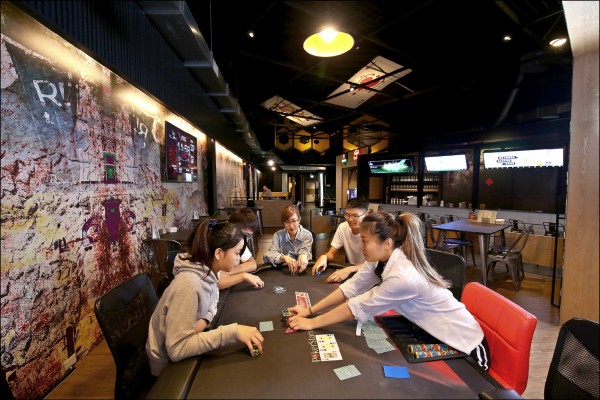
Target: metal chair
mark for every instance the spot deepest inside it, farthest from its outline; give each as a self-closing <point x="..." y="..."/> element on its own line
<point x="516" y="225"/>
<point x="313" y="249"/>
<point x="123" y="314"/>
<point x="512" y="257"/>
<point x="332" y="222"/>
<point x="450" y="244"/>
<point x="450" y="266"/>
<point x="550" y="229"/>
<point x="252" y="244"/>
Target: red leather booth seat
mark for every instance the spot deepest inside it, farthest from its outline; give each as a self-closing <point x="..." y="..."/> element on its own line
<point x="508" y="329"/>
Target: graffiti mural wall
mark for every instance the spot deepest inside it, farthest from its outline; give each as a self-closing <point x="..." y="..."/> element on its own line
<point x="230" y="177"/>
<point x="82" y="166"/>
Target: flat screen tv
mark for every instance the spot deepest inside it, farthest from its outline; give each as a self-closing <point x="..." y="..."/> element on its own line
<point x="451" y="162"/>
<point x="396" y="166"/>
<point x="181" y="155"/>
<point x="523" y="158"/>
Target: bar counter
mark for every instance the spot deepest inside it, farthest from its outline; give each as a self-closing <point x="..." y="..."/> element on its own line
<point x="271" y="211"/>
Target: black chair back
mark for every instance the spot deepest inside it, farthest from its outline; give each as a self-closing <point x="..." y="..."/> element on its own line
<point x="313" y="248"/>
<point x="573" y="372"/>
<point x="123" y="314"/>
<point x="165" y="251"/>
<point x="451" y="266"/>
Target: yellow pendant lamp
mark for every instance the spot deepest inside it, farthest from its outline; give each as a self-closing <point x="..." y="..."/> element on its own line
<point x="329" y="42"/>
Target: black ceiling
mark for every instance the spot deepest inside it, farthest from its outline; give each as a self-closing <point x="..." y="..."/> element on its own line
<point x="465" y="80"/>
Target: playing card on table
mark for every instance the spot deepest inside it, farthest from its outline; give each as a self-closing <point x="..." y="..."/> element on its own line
<point x="302" y="299"/>
<point x="265" y="326"/>
<point x="346" y="372"/>
<point x="328" y="347"/>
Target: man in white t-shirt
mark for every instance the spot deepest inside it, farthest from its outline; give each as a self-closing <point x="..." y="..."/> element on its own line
<point x="347" y="235"/>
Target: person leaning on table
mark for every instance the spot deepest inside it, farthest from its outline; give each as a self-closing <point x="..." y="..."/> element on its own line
<point x="347" y="235"/>
<point x="397" y="276"/>
<point x="291" y="245"/>
<point x="177" y="328"/>
<point x="245" y="219"/>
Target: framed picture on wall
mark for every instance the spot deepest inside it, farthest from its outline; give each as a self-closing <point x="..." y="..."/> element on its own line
<point x="181" y="155"/>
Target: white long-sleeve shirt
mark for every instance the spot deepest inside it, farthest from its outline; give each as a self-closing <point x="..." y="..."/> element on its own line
<point x="403" y="289"/>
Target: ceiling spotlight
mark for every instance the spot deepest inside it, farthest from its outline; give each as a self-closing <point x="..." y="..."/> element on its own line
<point x="251" y="34"/>
<point x="507" y="38"/>
<point x="329" y="42"/>
<point x="270" y="162"/>
<point x="558" y="42"/>
<point x="273" y="168"/>
<point x="304" y="140"/>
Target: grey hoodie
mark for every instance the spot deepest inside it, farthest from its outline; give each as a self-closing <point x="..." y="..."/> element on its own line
<point x="192" y="295"/>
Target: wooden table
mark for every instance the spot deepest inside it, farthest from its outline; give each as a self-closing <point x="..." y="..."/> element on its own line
<point x="181" y="235"/>
<point x="483" y="230"/>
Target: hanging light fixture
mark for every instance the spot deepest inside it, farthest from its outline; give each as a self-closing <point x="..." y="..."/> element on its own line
<point x="329" y="42"/>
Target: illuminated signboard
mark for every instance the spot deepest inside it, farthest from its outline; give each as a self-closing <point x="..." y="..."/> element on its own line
<point x="391" y="166"/>
<point x="523" y="158"/>
<point x="453" y="162"/>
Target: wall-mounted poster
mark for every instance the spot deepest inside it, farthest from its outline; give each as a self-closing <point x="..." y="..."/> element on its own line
<point x="181" y="155"/>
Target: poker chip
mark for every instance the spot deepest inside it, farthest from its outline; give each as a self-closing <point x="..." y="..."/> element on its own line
<point x="278" y="289"/>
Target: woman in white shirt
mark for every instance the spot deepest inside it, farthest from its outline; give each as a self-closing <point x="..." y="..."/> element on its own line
<point x="397" y="276"/>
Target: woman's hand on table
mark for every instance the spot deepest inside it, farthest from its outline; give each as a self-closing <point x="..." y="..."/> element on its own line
<point x="339" y="275"/>
<point x="251" y="337"/>
<point x="254" y="280"/>
<point x="299" y="310"/>
<point x="291" y="263"/>
<point x="299" y="323"/>
<point x="302" y="263"/>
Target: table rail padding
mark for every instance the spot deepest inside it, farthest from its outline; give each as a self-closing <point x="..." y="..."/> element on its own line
<point x="174" y="382"/>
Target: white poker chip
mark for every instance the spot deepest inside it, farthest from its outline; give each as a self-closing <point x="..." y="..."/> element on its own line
<point x="278" y="289"/>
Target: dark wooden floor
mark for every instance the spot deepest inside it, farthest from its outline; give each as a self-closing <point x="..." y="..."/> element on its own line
<point x="94" y="374"/>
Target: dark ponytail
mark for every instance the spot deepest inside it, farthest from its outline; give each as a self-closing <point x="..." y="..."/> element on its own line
<point x="209" y="236"/>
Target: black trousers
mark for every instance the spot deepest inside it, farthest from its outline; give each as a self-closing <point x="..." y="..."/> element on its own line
<point x="481" y="354"/>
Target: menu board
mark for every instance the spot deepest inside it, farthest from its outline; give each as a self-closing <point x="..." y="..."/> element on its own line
<point x="523" y="158"/>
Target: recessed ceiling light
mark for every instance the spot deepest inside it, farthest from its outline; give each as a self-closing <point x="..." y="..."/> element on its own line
<point x="558" y="42"/>
<point x="507" y="38"/>
<point x="270" y="162"/>
<point x="251" y="34"/>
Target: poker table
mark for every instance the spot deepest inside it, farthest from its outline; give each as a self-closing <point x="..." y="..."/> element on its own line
<point x="287" y="368"/>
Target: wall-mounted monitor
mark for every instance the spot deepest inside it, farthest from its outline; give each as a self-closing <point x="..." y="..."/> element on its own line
<point x="396" y="166"/>
<point x="523" y="158"/>
<point x="451" y="162"/>
<point x="181" y="155"/>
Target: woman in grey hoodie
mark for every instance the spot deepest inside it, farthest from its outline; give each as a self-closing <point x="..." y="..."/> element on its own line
<point x="188" y="305"/>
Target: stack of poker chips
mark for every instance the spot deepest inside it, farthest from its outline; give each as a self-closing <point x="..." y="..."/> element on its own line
<point x="430" y="350"/>
<point x="285" y="314"/>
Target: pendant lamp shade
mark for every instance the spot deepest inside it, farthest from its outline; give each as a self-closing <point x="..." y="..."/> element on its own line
<point x="328" y="43"/>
